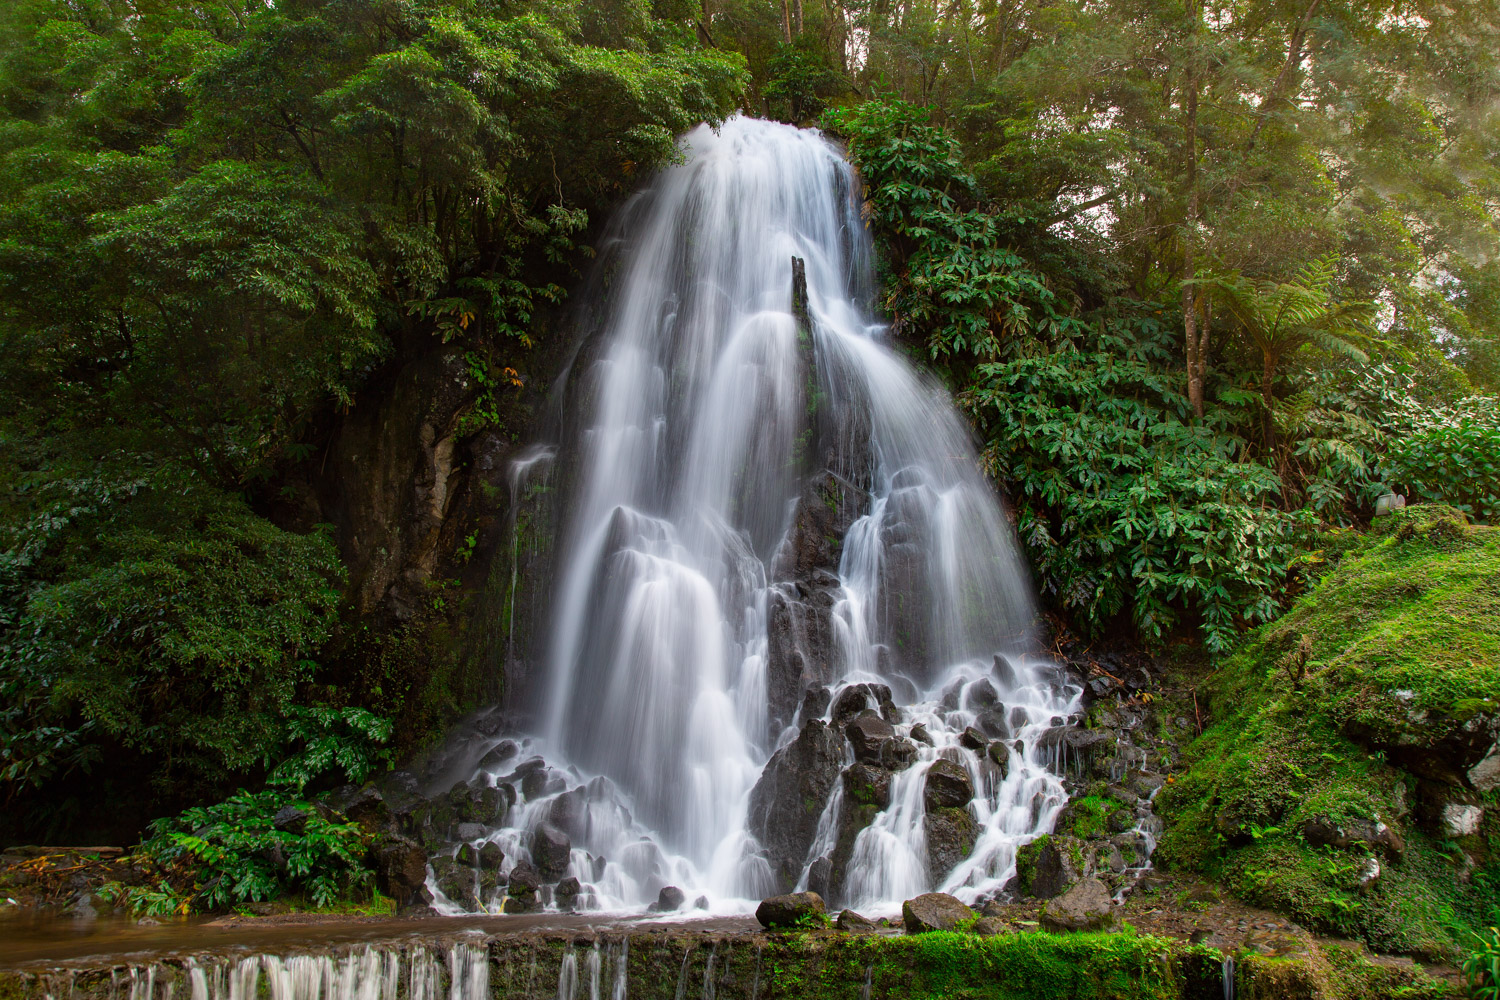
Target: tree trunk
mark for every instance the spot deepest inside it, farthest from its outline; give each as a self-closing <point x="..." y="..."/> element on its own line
<point x="1267" y="374"/>
<point x="786" y="21"/>
<point x="1194" y="345"/>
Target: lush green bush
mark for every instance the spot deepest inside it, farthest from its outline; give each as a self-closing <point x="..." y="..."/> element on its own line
<point x="1481" y="965"/>
<point x="155" y="614"/>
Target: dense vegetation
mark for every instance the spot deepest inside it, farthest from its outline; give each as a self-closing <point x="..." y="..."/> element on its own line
<point x="217" y="221"/>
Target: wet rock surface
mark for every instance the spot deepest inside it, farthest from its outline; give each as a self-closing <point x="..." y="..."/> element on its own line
<point x="790" y="910"/>
<point x="934" y="911"/>
<point x="1085" y="906"/>
<point x="788" y="799"/>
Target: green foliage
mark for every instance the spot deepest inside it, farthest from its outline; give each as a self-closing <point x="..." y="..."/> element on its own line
<point x="956" y="279"/>
<point x="156" y="614"/>
<point x="235" y="852"/>
<point x="1481" y="964"/>
<point x="1335" y="715"/>
<point x="217" y="221"/>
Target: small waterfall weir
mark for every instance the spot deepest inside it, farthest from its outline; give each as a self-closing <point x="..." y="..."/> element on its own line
<point x="789" y="625"/>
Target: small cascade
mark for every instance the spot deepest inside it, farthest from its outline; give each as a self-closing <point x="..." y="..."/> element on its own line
<point x="1228" y="967"/>
<point x="618" y="992"/>
<point x="567" y="976"/>
<point x="414" y="972"/>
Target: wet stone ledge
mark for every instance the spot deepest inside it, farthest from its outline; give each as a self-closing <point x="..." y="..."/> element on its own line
<point x="685" y="964"/>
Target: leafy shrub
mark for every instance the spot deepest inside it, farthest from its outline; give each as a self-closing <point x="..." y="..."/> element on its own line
<point x="258" y="846"/>
<point x="1481" y="965"/>
<point x="234" y="852"/>
<point x="1124" y="504"/>
<point x="156" y="614"/>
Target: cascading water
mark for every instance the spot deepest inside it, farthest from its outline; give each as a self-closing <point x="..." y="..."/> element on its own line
<point x="774" y="529"/>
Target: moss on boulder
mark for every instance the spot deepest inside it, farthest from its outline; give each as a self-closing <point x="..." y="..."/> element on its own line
<point x="1347" y="738"/>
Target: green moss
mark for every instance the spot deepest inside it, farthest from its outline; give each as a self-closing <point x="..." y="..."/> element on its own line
<point x="1352" y="709"/>
<point x="1089" y="816"/>
<point x="825" y="965"/>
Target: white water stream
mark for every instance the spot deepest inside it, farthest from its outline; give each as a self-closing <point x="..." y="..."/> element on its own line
<point x="702" y="415"/>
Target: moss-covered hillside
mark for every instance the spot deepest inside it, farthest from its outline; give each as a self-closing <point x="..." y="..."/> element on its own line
<point x="1350" y="774"/>
<point x="1349" y="777"/>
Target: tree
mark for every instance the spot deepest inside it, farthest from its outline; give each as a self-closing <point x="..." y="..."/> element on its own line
<point x="1281" y="317"/>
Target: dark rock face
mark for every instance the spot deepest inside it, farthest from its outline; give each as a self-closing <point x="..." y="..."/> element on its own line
<point x="788" y="910"/>
<point x="868" y="733"/>
<point x="1071" y="748"/>
<point x="853" y="923"/>
<point x="799" y="651"/>
<point x="815" y="702"/>
<point x="857" y="699"/>
<point x="948" y="784"/>
<point x="868" y="785"/>
<point x="820" y="876"/>
<point x="567" y="893"/>
<point x="490" y="856"/>
<point x="458" y="882"/>
<point x="524" y="880"/>
<point x="669" y="900"/>
<point x="290" y="819"/>
<point x="552" y="850"/>
<point x="401" y="870"/>
<point x="1086" y="906"/>
<point x="933" y="911"/>
<point x="789" y="797"/>
<point x="1047" y="866"/>
<point x="951" y="833"/>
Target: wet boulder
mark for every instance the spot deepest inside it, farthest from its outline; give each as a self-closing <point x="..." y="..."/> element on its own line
<point x="498" y="755"/>
<point x="868" y="785"/>
<point x="669" y="900"/>
<point x="921" y="735"/>
<point x="815" y="702"/>
<point x="790" y="910"/>
<point x="820" y="876"/>
<point x="994" y="723"/>
<point x="981" y="695"/>
<point x="934" y="911"/>
<point x="541" y="782"/>
<point x="491" y="857"/>
<point x="401" y="870"/>
<point x="1085" y="907"/>
<point x="1006" y="673"/>
<point x="1079" y="750"/>
<point x="973" y="739"/>
<point x="853" y="923"/>
<point x="951" y="834"/>
<point x="567" y="893"/>
<point x="570" y="813"/>
<point x="789" y="798"/>
<point x="859" y="698"/>
<point x="898" y="754"/>
<point x="457" y="882"/>
<point x="948" y="784"/>
<point x="868" y="733"/>
<point x="999" y="755"/>
<point x="990" y="926"/>
<point x="1050" y="864"/>
<point x="551" y="849"/>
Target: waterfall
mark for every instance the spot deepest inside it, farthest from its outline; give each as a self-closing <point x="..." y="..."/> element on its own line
<point x="770" y="523"/>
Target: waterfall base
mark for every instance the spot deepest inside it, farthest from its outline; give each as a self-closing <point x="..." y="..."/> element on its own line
<point x="713" y="962"/>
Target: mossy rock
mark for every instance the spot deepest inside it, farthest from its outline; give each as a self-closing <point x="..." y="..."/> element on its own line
<point x="1372" y="702"/>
